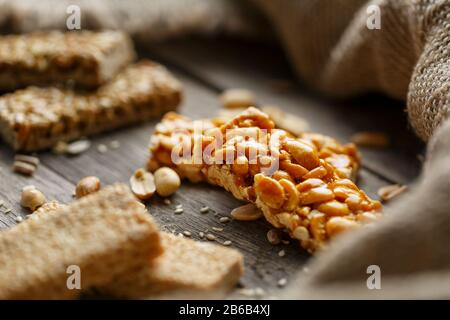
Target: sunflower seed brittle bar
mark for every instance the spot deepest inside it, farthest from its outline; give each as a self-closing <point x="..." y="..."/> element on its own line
<point x="84" y="59"/>
<point x="309" y="192"/>
<point x="104" y="234"/>
<point x="35" y="118"/>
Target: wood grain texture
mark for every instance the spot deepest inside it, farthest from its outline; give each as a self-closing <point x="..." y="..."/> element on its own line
<point x="57" y="174"/>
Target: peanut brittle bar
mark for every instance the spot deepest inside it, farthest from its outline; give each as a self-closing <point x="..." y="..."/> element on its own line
<point x="303" y="184"/>
<point x="104" y="234"/>
<point x="37" y="118"/>
<point x="85" y="59"/>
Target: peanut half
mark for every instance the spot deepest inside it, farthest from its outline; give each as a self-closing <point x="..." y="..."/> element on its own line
<point x="167" y="181"/>
<point x="86" y="186"/>
<point x="142" y="184"/>
<point x="32" y="198"/>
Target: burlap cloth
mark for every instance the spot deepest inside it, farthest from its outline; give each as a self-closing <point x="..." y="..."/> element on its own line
<point x="332" y="50"/>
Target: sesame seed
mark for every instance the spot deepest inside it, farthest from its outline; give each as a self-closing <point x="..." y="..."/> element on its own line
<point x="282" y="282"/>
<point x="247" y="292"/>
<point x="204" y="210"/>
<point x="18" y="219"/>
<point x="178" y="211"/>
<point x="115" y="144"/>
<point x="8" y="210"/>
<point x="102" y="148"/>
<point x="282" y="253"/>
<point x="217" y="229"/>
<point x="167" y="202"/>
<point x="187" y="233"/>
<point x="210" y="237"/>
<point x="285" y="241"/>
<point x="259" y="292"/>
<point x="227" y="243"/>
<point x="178" y="206"/>
<point x="305" y="269"/>
<point x="224" y="220"/>
<point x="201" y="235"/>
<point x="2" y="203"/>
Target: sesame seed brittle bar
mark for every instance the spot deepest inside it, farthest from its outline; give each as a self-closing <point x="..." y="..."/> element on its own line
<point x="35" y="118"/>
<point x="105" y="234"/>
<point x="84" y="59"/>
<point x="185" y="267"/>
<point x="309" y="191"/>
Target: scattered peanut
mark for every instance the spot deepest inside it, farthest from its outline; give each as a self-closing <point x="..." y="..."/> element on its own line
<point x="86" y="186"/>
<point x="237" y="98"/>
<point x="27" y="159"/>
<point x="142" y="184"/>
<point x="167" y="181"/>
<point x="24" y="168"/>
<point x="248" y="212"/>
<point x="371" y="139"/>
<point x="273" y="236"/>
<point x="32" y="198"/>
<point x="389" y="192"/>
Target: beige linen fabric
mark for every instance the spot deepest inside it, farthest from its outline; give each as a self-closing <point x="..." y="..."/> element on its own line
<point x="332" y="50"/>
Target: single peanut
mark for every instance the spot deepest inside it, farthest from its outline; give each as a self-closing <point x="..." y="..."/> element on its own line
<point x="32" y="198"/>
<point x="142" y="184"/>
<point x="167" y="181"/>
<point x="86" y="186"/>
<point x="248" y="212"/>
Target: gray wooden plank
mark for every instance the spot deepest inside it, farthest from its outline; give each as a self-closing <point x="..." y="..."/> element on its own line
<point x="223" y="64"/>
<point x="50" y="183"/>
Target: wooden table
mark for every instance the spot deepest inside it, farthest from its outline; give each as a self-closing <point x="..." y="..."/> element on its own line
<point x="206" y="68"/>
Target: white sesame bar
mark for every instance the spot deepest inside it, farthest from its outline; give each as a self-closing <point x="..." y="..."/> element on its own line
<point x="85" y="59"/>
<point x="37" y="118"/>
<point x="105" y="234"/>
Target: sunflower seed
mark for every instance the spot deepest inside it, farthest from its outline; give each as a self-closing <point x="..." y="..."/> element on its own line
<point x="102" y="148"/>
<point x="178" y="211"/>
<point x="282" y="282"/>
<point x="224" y="220"/>
<point x="204" y="209"/>
<point x="78" y="147"/>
